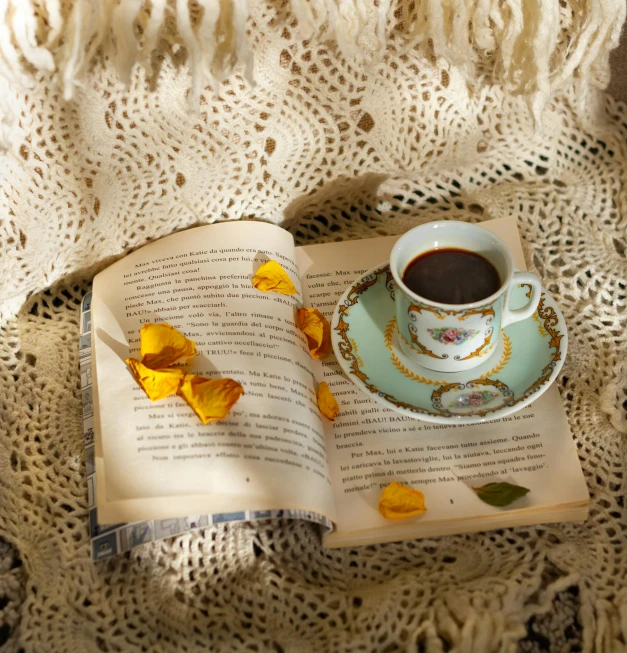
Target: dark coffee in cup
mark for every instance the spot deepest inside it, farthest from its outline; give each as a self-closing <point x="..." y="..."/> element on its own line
<point x="452" y="276"/>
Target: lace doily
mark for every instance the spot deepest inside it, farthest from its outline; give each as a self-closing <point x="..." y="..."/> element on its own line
<point x="333" y="151"/>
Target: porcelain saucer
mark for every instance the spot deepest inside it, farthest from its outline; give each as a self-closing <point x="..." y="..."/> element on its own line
<point x="365" y="341"/>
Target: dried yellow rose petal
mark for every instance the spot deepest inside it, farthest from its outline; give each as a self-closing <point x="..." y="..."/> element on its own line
<point x="400" y="502"/>
<point x="317" y="329"/>
<point x="271" y="277"/>
<point x="210" y="399"/>
<point x="326" y="401"/>
<point x="161" y="345"/>
<point x="157" y="384"/>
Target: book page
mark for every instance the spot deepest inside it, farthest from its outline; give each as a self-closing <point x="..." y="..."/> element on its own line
<point x="158" y="460"/>
<point x="370" y="446"/>
<point x="109" y="539"/>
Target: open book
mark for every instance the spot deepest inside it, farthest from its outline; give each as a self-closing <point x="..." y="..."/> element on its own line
<point x="151" y="463"/>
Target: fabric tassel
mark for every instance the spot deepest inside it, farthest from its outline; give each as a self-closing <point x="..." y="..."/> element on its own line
<point x="24" y="26"/>
<point x="55" y="20"/>
<point x="532" y="46"/>
<point x="126" y="45"/>
<point x="151" y="27"/>
<point x="186" y="31"/>
<point x="207" y="38"/>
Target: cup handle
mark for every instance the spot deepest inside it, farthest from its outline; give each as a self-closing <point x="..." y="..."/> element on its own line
<point x="510" y="316"/>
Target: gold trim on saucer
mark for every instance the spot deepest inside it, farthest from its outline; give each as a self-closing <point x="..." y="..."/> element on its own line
<point x="507" y="354"/>
<point x="541" y="330"/>
<point x="549" y="316"/>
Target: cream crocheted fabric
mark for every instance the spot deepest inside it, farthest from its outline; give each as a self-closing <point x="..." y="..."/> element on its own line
<point x="333" y="147"/>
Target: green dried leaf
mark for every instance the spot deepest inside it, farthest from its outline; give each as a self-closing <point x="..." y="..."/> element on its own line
<point x="500" y="494"/>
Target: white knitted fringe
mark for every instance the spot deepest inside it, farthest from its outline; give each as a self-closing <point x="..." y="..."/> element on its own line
<point x="534" y="46"/>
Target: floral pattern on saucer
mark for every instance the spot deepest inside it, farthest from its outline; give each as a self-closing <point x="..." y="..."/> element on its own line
<point x="485" y="395"/>
<point x="452" y="335"/>
<point x="476" y="399"/>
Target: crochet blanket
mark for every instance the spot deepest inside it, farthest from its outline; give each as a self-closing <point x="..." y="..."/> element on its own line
<point x="381" y="121"/>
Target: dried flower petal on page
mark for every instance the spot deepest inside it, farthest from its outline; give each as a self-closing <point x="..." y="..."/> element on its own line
<point x="210" y="399"/>
<point x="271" y="277"/>
<point x="326" y="401"/>
<point x="161" y="345"/>
<point x="157" y="384"/>
<point x="317" y="329"/>
<point x="400" y="502"/>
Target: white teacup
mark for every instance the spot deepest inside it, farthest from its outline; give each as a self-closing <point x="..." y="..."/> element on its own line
<point x="456" y="337"/>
